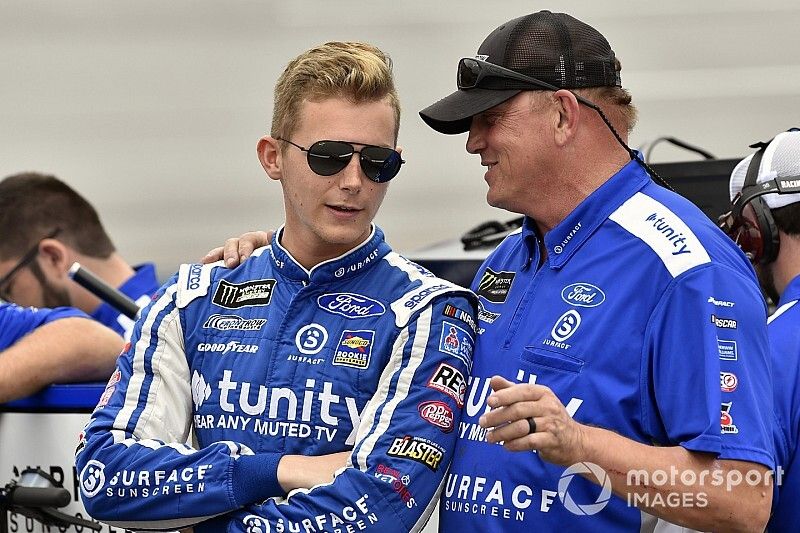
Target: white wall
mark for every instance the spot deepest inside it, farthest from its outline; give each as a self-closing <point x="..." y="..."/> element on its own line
<point x="152" y="109"/>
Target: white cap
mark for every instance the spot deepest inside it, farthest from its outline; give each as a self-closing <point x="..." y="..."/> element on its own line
<point x="781" y="160"/>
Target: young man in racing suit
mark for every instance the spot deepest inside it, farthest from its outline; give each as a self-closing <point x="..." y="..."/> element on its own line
<point x="326" y="342"/>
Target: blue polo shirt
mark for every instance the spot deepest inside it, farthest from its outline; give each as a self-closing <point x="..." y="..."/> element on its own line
<point x="784" y="338"/>
<point x="637" y="319"/>
<point x="16" y="321"/>
<point x="140" y="288"/>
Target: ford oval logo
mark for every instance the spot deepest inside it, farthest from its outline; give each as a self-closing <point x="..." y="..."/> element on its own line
<point x="350" y="305"/>
<point x="583" y="295"/>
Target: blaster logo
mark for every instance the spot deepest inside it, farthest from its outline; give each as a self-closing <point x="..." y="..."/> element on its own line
<point x="417" y="449"/>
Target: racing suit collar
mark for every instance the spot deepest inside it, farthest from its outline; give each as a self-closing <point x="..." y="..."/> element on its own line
<point x="791" y="292"/>
<point x="568" y="236"/>
<point x="347" y="265"/>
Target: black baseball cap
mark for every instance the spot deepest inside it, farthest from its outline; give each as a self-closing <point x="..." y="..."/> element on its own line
<point x="555" y="48"/>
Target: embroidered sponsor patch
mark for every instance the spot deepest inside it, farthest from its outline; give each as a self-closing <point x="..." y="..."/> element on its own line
<point x="724" y="323"/>
<point x="111" y="386"/>
<point x="234" y="322"/>
<point x="728" y="381"/>
<point x="350" y="305"/>
<point x="457" y="342"/>
<point x="727" y="350"/>
<point x="583" y="295"/>
<point x="311" y="338"/>
<point x="355" y="348"/>
<point x="417" y="449"/>
<point x="437" y="413"/>
<point x="494" y="286"/>
<point x="450" y="381"/>
<point x="486" y="316"/>
<point x="726" y="420"/>
<point x="236" y="295"/>
<point x="459" y="314"/>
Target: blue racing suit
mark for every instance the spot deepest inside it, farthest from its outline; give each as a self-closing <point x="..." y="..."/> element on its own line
<point x="784" y="339"/>
<point x="140" y="288"/>
<point x="366" y="352"/>
<point x="16" y="321"/>
<point x="634" y="317"/>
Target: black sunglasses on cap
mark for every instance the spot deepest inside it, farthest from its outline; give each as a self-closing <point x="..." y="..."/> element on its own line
<point x="472" y="72"/>
<point x="475" y="73"/>
<point x="326" y="158"/>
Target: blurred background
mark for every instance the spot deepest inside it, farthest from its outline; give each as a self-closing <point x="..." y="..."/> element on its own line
<point x="152" y="109"/>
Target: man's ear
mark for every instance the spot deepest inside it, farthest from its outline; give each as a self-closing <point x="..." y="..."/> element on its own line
<point x="55" y="258"/>
<point x="269" y="154"/>
<point x="569" y="116"/>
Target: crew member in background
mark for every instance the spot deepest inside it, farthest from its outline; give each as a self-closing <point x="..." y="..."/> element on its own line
<point x="326" y="353"/>
<point x="39" y="347"/>
<point x="46" y="227"/>
<point x="765" y="221"/>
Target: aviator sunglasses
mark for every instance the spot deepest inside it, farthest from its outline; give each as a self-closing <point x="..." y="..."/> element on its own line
<point x="326" y="158"/>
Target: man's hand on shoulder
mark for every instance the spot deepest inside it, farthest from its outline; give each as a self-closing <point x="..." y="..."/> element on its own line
<point x="237" y="249"/>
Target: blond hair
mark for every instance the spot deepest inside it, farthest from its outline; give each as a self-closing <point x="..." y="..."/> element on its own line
<point x="357" y="71"/>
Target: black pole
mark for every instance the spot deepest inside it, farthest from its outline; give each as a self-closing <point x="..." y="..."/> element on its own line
<point x="103" y="290"/>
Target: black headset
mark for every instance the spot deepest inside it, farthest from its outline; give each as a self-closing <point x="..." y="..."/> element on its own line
<point x="749" y="222"/>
